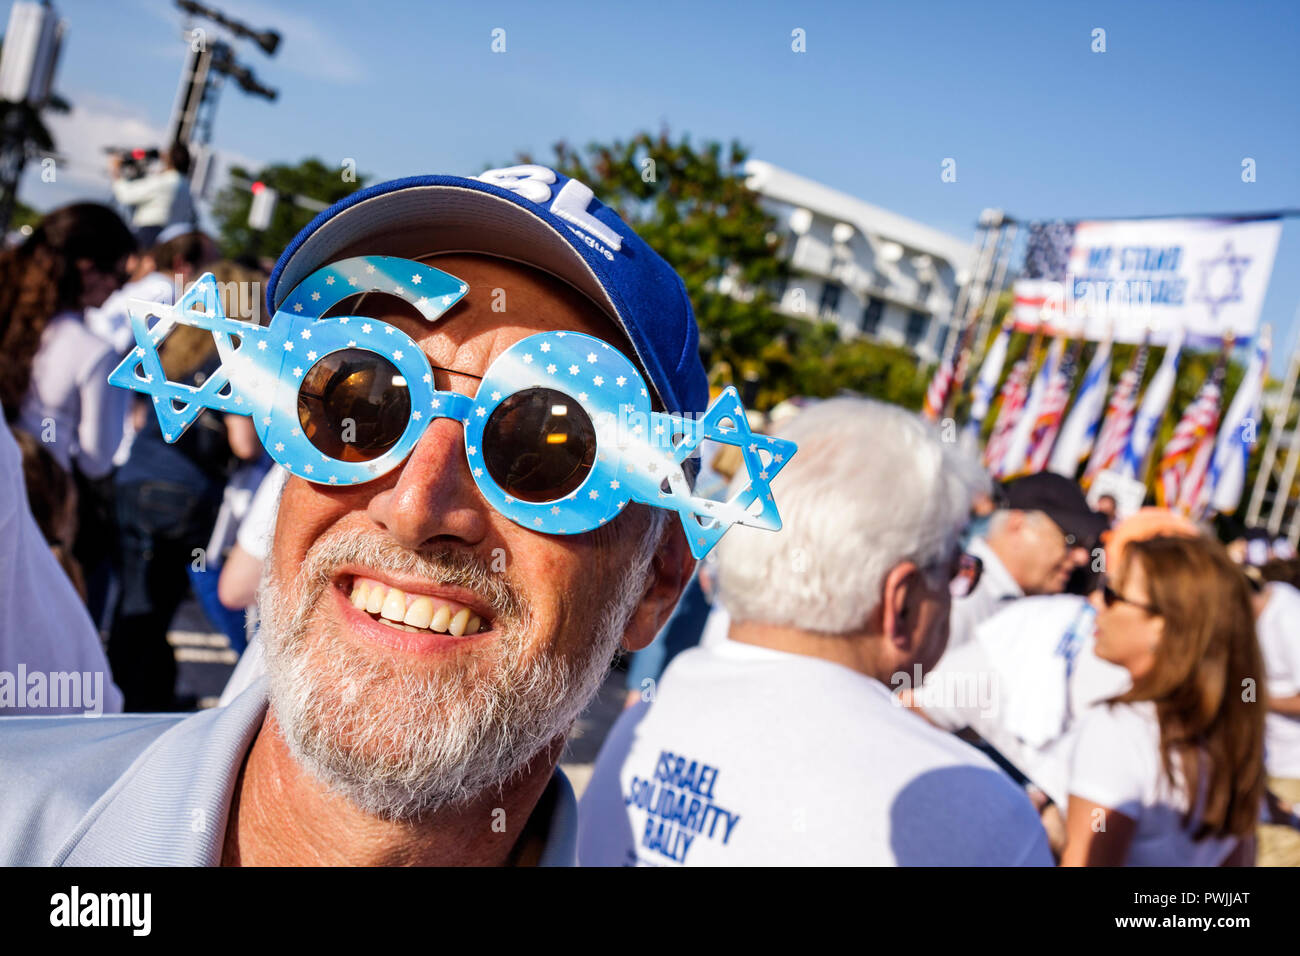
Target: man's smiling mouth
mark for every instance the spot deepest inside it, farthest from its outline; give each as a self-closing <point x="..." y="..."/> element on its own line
<point x="418" y="613"/>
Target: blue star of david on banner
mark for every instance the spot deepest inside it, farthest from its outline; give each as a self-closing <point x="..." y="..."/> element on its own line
<point x="1237" y="266"/>
<point x="590" y="388"/>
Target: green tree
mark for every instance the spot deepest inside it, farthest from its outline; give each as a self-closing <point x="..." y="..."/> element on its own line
<point x="309" y="178"/>
<point x="693" y="207"/>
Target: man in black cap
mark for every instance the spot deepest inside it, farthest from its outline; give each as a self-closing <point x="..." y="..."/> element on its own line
<point x="1042" y="531"/>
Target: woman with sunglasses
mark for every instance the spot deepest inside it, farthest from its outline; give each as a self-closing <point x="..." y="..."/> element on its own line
<point x="54" y="370"/>
<point x="1172" y="773"/>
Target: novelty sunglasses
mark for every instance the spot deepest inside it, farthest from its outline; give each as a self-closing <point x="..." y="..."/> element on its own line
<point x="559" y="435"/>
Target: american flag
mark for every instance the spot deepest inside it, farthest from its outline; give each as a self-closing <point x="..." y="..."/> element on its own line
<point x="936" y="396"/>
<point x="1047" y="252"/>
<point x="1186" y="455"/>
<point x="1050" y="413"/>
<point x="1014" y="392"/>
<point x="1118" y="422"/>
<point x="1047" y="263"/>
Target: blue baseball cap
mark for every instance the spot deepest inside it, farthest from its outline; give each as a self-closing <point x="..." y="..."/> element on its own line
<point x="533" y="215"/>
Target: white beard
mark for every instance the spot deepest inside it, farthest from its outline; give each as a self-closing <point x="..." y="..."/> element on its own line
<point x="399" y="744"/>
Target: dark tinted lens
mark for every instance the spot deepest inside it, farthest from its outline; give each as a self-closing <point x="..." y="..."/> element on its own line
<point x="353" y="405"/>
<point x="539" y="445"/>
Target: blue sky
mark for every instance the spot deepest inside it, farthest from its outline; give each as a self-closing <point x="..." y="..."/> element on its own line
<point x="1038" y="124"/>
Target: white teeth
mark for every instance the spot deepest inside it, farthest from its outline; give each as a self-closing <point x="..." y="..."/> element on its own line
<point x="457" y="626"/>
<point x="420" y="613"/>
<point x="394" y="605"/>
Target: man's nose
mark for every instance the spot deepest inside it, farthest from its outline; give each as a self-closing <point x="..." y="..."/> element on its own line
<point x="435" y="496"/>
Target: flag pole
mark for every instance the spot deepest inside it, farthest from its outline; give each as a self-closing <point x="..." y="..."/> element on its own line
<point x="1275" y="433"/>
<point x="990" y="231"/>
<point x="990" y="301"/>
<point x="1282" y="496"/>
<point x="969" y="346"/>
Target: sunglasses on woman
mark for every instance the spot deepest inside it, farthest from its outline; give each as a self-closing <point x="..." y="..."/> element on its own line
<point x="1112" y="597"/>
<point x="559" y="435"/>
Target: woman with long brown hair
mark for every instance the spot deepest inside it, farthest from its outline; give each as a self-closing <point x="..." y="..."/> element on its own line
<point x="53" y="370"/>
<point x="1172" y="772"/>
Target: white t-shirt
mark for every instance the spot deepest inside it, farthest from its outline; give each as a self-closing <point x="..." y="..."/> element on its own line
<point x="1279" y="641"/>
<point x="70" y="404"/>
<point x="1022" y="683"/>
<point x="1117" y="765"/>
<point x="750" y="756"/>
<point x="47" y="640"/>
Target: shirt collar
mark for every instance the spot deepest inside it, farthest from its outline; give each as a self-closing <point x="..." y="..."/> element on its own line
<point x="995" y="579"/>
<point x="170" y="808"/>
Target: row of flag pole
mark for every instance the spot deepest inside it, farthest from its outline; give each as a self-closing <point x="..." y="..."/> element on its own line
<point x="1201" y="468"/>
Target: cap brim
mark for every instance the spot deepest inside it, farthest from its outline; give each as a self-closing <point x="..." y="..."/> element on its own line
<point x="416" y="220"/>
<point x="1086" y="527"/>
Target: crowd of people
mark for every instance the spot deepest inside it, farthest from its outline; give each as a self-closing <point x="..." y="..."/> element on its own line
<point x="129" y="513"/>
<point x="921" y="667"/>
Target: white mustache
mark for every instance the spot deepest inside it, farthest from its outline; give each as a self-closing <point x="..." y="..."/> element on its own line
<point x="446" y="566"/>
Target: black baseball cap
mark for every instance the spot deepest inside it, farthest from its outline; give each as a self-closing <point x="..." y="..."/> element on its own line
<point x="1061" y="500"/>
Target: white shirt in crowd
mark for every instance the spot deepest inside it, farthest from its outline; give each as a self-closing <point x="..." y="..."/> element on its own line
<point x="995" y="589"/>
<point x="158" y="199"/>
<point x="1117" y="765"/>
<point x="258" y="527"/>
<point x="1022" y="683"/>
<point x="254" y="536"/>
<point x="47" y="640"/>
<point x="111" y="321"/>
<point x="1279" y="641"/>
<point x="70" y="405"/>
<point x="751" y="756"/>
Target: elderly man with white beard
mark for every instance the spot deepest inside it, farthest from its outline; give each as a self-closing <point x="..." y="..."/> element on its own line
<point x="467" y="380"/>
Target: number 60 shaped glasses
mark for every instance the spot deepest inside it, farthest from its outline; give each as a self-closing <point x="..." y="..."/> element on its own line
<point x="559" y="435"/>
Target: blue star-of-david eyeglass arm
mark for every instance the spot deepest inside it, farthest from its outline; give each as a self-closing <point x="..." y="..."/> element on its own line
<point x="639" y="452"/>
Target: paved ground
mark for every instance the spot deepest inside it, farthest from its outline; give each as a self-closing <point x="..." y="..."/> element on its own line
<point x="204" y="662"/>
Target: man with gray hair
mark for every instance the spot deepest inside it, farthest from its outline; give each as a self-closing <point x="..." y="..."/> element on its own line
<point x="783" y="743"/>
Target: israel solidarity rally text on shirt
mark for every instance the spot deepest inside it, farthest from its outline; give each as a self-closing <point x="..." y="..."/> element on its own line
<point x="679" y="806"/>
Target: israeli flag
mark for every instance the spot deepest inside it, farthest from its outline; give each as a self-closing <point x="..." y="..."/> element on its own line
<point x="1238" y="432"/>
<point x="1015" y="461"/>
<point x="1152" y="410"/>
<point x="987" y="383"/>
<point x="1080" y="430"/>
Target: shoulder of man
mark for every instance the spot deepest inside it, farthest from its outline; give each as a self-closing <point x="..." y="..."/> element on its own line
<point x="965" y="810"/>
<point x="54" y="769"/>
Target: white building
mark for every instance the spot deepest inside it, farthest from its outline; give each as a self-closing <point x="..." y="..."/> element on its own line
<point x="870" y="271"/>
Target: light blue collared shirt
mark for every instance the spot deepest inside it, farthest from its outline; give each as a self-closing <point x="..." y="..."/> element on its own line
<point x="151" y="789"/>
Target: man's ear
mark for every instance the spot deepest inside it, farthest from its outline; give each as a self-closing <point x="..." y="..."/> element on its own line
<point x="898" y="606"/>
<point x="670" y="570"/>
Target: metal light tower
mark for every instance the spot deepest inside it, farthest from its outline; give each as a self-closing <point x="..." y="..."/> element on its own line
<point x="31" y="52"/>
<point x="209" y="63"/>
